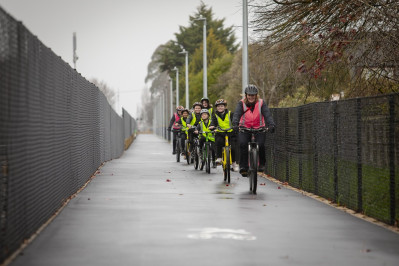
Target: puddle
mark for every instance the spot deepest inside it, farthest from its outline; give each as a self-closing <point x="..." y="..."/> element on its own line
<point x="221" y="233"/>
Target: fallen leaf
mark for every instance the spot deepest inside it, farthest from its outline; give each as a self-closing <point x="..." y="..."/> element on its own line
<point x="88" y="199"/>
<point x="285" y="183"/>
<point x="168" y="180"/>
<point x="366" y="250"/>
<point x="279" y="187"/>
<point x="262" y="184"/>
<point x="227" y="185"/>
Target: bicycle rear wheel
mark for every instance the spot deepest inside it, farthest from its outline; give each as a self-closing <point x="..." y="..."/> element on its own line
<point x="196" y="157"/>
<point x="208" y="160"/>
<point x="228" y="168"/>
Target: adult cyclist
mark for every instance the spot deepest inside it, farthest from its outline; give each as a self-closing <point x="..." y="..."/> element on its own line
<point x="252" y="112"/>
<point x="174" y="124"/>
<point x="206" y="105"/>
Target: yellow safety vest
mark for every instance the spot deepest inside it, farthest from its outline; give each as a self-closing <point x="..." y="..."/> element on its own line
<point x="205" y="127"/>
<point x="224" y="124"/>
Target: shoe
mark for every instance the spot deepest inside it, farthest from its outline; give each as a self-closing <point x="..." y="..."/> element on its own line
<point x="234" y="167"/>
<point x="244" y="172"/>
<point x="261" y="169"/>
<point x="213" y="164"/>
<point x="174" y="152"/>
<point x="219" y="161"/>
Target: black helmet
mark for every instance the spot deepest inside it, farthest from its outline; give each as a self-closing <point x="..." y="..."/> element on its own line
<point x="251" y="90"/>
<point x="205" y="99"/>
<point x="197" y="103"/>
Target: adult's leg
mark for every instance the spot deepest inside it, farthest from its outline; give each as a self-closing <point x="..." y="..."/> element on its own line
<point x="243" y="139"/>
<point x="260" y="139"/>
<point x="174" y="142"/>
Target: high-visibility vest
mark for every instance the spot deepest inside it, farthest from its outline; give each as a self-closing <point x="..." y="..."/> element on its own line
<point x="205" y="127"/>
<point x="184" y="125"/>
<point x="177" y="118"/>
<point x="253" y="119"/>
<point x="226" y="123"/>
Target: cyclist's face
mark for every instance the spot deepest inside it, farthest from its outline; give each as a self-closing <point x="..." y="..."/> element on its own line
<point x="197" y="109"/>
<point x="220" y="108"/>
<point x="251" y="98"/>
<point x="185" y="114"/>
<point x="204" y="104"/>
<point x="204" y="116"/>
<point x="179" y="113"/>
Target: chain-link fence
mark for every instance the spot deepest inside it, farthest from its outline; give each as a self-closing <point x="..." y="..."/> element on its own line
<point x="345" y="151"/>
<point x="56" y="129"/>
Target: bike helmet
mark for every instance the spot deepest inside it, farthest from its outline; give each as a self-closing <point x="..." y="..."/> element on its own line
<point x="251" y="90"/>
<point x="205" y="99"/>
<point x="204" y="111"/>
<point x="220" y="101"/>
<point x="197" y="103"/>
<point x="179" y="108"/>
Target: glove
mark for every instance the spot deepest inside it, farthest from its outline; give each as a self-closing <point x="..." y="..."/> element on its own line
<point x="235" y="129"/>
<point x="272" y="129"/>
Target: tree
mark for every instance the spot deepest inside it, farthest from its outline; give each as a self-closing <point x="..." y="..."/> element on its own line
<point x="361" y="33"/>
<point x="106" y="90"/>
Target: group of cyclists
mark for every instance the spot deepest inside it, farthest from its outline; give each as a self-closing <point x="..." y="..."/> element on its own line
<point x="250" y="112"/>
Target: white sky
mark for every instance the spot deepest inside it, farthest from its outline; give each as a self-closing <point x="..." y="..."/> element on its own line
<point x="115" y="38"/>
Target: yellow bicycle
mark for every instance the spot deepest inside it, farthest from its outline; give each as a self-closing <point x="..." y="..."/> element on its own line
<point x="226" y="155"/>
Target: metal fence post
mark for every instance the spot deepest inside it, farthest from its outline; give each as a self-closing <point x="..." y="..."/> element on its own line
<point x="392" y="157"/>
<point x="359" y="156"/>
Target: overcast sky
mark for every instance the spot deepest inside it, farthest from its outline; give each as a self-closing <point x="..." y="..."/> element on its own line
<point x="115" y="38"/>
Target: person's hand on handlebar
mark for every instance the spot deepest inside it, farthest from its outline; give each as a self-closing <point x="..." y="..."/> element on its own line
<point x="271" y="129"/>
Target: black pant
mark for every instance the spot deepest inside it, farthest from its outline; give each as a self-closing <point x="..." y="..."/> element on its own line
<point x="244" y="138"/>
<point x="219" y="141"/>
<point x="174" y="140"/>
<point x="183" y="138"/>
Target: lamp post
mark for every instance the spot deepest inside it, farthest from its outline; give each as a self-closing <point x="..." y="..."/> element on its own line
<point x="204" y="57"/>
<point x="187" y="96"/>
<point x="171" y="96"/>
<point x="244" y="45"/>
<point x="177" y="85"/>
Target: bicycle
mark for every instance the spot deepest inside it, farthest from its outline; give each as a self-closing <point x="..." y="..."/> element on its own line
<point x="253" y="157"/>
<point x="206" y="156"/>
<point x="226" y="155"/>
<point x="195" y="152"/>
<point x="178" y="144"/>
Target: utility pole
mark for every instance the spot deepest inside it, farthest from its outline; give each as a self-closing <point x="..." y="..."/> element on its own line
<point x="245" y="75"/>
<point x="75" y="56"/>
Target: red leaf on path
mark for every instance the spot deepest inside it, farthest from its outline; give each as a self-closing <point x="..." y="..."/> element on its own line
<point x="168" y="180"/>
<point x="263" y="184"/>
<point x="279" y="187"/>
<point x="227" y="185"/>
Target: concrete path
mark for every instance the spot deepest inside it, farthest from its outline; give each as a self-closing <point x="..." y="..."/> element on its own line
<point x="146" y="209"/>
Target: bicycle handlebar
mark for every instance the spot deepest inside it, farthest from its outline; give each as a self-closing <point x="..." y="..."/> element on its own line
<point x="254" y="130"/>
<point x="224" y="130"/>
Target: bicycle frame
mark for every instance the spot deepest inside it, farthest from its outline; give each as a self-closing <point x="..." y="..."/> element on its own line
<point x="206" y="155"/>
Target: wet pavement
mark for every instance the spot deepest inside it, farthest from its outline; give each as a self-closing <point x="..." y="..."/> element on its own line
<point x="146" y="209"/>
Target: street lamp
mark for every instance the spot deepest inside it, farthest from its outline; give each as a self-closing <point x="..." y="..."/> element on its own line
<point x="177" y="85"/>
<point x="204" y="57"/>
<point x="186" y="53"/>
<point x="171" y="96"/>
<point x="244" y="46"/>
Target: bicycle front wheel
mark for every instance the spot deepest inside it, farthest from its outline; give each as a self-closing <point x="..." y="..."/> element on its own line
<point x="208" y="160"/>
<point x="196" y="157"/>
<point x="178" y="151"/>
<point x="254" y="171"/>
<point x="188" y="155"/>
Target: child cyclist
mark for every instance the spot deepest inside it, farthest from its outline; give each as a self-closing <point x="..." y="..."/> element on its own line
<point x="174" y="124"/>
<point x="205" y="125"/>
<point x="184" y="128"/>
<point x="222" y="119"/>
<point x="192" y="122"/>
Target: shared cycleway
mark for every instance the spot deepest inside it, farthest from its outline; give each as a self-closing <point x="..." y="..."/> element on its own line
<point x="146" y="209"/>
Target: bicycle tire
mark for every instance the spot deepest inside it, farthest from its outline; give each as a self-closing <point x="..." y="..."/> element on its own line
<point x="196" y="157"/>
<point x="178" y="151"/>
<point x="188" y="155"/>
<point x="224" y="164"/>
<point x="228" y="158"/>
<point x="208" y="160"/>
<point x="202" y="160"/>
<point x="254" y="170"/>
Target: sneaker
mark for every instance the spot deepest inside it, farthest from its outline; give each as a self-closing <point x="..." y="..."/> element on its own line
<point x="261" y="169"/>
<point x="235" y="167"/>
<point x="219" y="161"/>
<point x="244" y="172"/>
<point x="174" y="152"/>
